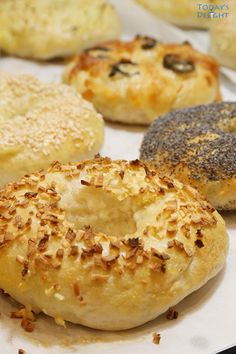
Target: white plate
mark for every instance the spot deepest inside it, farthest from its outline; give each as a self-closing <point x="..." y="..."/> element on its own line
<point x="207" y="318"/>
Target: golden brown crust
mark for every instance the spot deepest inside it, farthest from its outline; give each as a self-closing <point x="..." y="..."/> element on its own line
<point x="136" y="81"/>
<point x="78" y="235"/>
<point x="43" y="122"/>
<point x="198" y="146"/>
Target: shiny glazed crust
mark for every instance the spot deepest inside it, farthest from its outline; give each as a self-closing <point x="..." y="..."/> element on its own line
<point x="45" y="29"/>
<point x="43" y="122"/>
<point x="107" y="244"/>
<point x="135" y="82"/>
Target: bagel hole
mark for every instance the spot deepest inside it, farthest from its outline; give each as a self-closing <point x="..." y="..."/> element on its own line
<point x="103" y="212"/>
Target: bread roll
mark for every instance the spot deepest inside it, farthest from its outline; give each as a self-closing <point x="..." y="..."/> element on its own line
<point x="40" y="123"/>
<point x="186" y="13"/>
<point x="198" y="146"/>
<point x="223" y="38"/>
<point x="44" y="29"/>
<point x="107" y="244"/>
<point x="135" y="82"/>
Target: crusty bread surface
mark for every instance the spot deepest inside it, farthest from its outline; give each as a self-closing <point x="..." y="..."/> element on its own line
<point x="135" y="82"/>
<point x="107" y="244"/>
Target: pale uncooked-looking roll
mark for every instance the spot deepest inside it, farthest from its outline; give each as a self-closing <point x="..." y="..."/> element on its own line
<point x="107" y="244"/>
<point x="223" y="38"/>
<point x="40" y="123"/>
<point x="186" y="13"/>
<point x="45" y="29"/>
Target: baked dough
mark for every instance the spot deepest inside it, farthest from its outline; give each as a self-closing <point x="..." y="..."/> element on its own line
<point x="41" y="123"/>
<point x="185" y="13"/>
<point x="198" y="146"/>
<point x="107" y="244"/>
<point x="222" y="38"/>
<point x="134" y="82"/>
<point x="45" y="29"/>
<point x="196" y="14"/>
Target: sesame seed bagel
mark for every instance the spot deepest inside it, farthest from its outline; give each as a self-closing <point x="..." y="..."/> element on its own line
<point x="107" y="244"/>
<point x="44" y="29"/>
<point x="40" y="123"/>
<point x="134" y="82"/>
<point x="198" y="146"/>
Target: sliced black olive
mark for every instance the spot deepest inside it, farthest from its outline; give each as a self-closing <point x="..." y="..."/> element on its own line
<point x="115" y="68"/>
<point x="187" y="43"/>
<point x="149" y="45"/>
<point x="126" y="61"/>
<point x="173" y="62"/>
<point x="149" y="42"/>
<point x="98" y="52"/>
